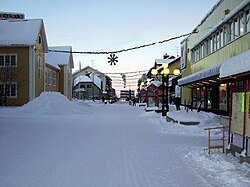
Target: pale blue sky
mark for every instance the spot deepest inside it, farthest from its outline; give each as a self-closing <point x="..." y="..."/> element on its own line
<point x="98" y="25"/>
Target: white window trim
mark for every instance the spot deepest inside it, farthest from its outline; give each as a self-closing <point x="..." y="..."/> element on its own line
<point x="8" y="54"/>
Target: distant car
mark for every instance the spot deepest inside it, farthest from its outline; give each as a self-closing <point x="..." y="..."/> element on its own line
<point x="122" y="100"/>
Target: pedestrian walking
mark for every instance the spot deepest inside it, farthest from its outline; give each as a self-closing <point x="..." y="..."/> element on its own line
<point x="134" y="101"/>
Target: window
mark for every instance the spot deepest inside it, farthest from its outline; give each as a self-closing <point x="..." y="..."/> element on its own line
<point x="248" y="20"/>
<point x="46" y="76"/>
<point x="218" y="41"/>
<point x="225" y="35"/>
<point x="236" y="28"/>
<point x="1" y="89"/>
<point x="50" y="77"/>
<point x="89" y="86"/>
<point x="8" y="60"/>
<point x="13" y="60"/>
<point x="242" y="23"/>
<point x="211" y="45"/>
<point x="54" y="78"/>
<point x="223" y="97"/>
<point x="215" y="43"/>
<point x="9" y="90"/>
<point x="221" y="38"/>
<point x="1" y="60"/>
<point x="39" y="39"/>
<point x="13" y="90"/>
<point x="202" y="51"/>
<point x="39" y="65"/>
<point x="231" y="38"/>
<point x="82" y="86"/>
<point x="239" y="87"/>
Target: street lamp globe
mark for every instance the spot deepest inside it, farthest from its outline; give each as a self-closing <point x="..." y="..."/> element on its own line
<point x="165" y="71"/>
<point x="176" y="72"/>
<point x="154" y="72"/>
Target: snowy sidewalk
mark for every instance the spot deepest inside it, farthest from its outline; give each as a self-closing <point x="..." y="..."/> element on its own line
<point x="108" y="145"/>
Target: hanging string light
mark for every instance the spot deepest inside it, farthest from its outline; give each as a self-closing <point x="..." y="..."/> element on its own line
<point x="113" y="58"/>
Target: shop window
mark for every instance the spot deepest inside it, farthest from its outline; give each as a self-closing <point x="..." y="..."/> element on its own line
<point x="223" y="97"/>
<point x="209" y="98"/>
<point x="198" y="98"/>
<point x="239" y="87"/>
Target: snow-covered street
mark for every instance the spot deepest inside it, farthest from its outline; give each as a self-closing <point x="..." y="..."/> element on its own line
<point x="108" y="145"/>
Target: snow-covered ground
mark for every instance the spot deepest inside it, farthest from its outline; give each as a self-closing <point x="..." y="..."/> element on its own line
<point x="54" y="142"/>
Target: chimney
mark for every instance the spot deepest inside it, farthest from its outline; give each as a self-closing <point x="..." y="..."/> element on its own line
<point x="80" y="66"/>
<point x="165" y="56"/>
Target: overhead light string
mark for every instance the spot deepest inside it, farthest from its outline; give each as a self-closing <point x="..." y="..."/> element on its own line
<point x="112" y="58"/>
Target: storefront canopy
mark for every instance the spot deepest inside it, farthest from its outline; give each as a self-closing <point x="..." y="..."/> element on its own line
<point x="200" y="75"/>
<point x="236" y="65"/>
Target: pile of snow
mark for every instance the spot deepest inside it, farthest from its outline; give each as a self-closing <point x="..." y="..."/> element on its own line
<point x="205" y="118"/>
<point x="52" y="103"/>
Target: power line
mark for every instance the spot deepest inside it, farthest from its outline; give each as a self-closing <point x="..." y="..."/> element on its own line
<point x="123" y="50"/>
<point x="128" y="72"/>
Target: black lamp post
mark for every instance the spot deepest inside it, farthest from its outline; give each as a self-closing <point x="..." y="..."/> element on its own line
<point x="165" y="72"/>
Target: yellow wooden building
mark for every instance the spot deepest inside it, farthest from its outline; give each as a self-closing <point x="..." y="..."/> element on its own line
<point x="23" y="44"/>
<point x="223" y="33"/>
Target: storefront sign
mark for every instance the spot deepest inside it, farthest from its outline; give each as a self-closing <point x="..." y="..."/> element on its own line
<point x="183" y="54"/>
<point x="5" y="15"/>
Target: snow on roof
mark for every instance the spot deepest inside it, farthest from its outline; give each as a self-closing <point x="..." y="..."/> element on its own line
<point x="156" y="83"/>
<point x="21" y="32"/>
<point x="236" y="65"/>
<point x="224" y="20"/>
<point x="83" y="79"/>
<point x="162" y="61"/>
<point x="57" y="58"/>
<point x="206" y="73"/>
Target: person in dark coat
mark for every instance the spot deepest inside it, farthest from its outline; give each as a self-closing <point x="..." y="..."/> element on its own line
<point x="134" y="101"/>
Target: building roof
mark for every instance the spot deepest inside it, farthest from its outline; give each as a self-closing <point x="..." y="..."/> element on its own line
<point x="156" y="83"/>
<point x="85" y="79"/>
<point x="200" y="75"/>
<point x="162" y="61"/>
<point x="22" y="32"/>
<point x="58" y="58"/>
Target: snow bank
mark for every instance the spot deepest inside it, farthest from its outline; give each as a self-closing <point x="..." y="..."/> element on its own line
<point x="205" y="118"/>
<point x="52" y="103"/>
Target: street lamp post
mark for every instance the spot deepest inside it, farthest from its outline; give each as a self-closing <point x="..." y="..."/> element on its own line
<point x="165" y="72"/>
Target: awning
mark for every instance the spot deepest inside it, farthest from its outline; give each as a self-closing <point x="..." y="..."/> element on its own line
<point x="236" y="65"/>
<point x="201" y="75"/>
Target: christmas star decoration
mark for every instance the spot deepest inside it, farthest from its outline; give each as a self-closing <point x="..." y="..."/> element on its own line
<point x="112" y="59"/>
